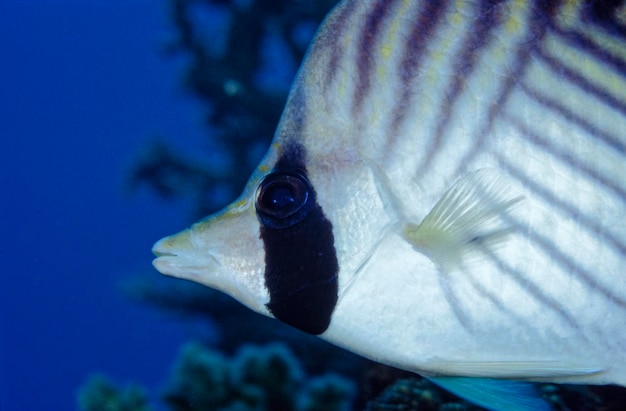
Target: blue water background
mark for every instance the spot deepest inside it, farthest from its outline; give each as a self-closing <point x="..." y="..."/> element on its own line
<point x="84" y="86"/>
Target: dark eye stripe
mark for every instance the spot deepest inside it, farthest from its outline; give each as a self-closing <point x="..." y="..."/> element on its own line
<point x="301" y="264"/>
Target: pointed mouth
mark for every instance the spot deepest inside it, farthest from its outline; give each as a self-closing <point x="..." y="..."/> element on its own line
<point x="167" y="258"/>
<point x="162" y="253"/>
<point x="164" y="262"/>
<point x="177" y="256"/>
<point x="171" y="246"/>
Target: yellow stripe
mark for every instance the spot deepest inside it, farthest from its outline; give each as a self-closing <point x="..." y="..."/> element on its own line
<point x="568" y="19"/>
<point x="597" y="72"/>
<point x="541" y="77"/>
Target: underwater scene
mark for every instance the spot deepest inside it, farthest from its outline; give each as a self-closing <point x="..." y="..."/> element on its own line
<point x="417" y="206"/>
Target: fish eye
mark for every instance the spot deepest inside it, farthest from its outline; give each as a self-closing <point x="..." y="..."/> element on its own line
<point x="283" y="199"/>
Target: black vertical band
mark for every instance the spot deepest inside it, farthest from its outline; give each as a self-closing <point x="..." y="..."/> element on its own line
<point x="301" y="264"/>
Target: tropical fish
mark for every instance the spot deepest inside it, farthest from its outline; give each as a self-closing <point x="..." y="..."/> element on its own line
<point x="446" y="194"/>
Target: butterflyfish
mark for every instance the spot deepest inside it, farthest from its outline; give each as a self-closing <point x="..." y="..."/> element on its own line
<point x="446" y="194"/>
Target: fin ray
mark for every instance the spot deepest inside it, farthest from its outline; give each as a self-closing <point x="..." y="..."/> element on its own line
<point x="493" y="394"/>
<point x="468" y="216"/>
<point x="516" y="369"/>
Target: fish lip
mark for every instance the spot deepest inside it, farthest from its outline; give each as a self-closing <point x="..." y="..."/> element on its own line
<point x="165" y="263"/>
<point x="165" y="260"/>
<point x="159" y="254"/>
<point x="163" y="248"/>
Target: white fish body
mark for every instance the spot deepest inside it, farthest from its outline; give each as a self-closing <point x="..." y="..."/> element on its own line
<point x="465" y="171"/>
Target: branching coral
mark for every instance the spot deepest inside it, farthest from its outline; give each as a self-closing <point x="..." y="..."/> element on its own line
<point x="100" y="394"/>
<point x="418" y="394"/>
<point x="256" y="379"/>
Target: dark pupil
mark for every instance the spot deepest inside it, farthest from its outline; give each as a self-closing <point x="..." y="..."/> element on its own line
<point x="279" y="197"/>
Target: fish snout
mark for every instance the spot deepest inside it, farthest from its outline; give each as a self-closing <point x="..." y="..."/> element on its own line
<point x="175" y="255"/>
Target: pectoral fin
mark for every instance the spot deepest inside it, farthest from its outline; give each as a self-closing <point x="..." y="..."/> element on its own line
<point x="471" y="215"/>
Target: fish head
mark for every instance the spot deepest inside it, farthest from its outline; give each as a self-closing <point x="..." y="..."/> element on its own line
<point x="310" y="217"/>
<point x="279" y="248"/>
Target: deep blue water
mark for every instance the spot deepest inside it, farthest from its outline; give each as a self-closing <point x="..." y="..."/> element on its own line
<point x="84" y="86"/>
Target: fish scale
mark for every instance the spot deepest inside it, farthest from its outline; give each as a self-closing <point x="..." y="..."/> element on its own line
<point x="465" y="160"/>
